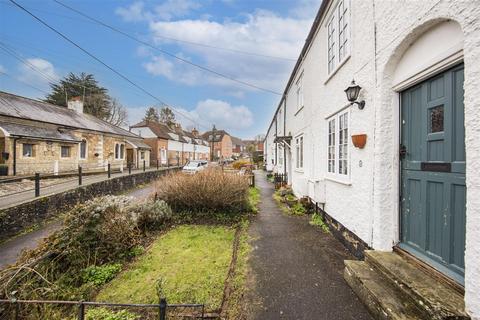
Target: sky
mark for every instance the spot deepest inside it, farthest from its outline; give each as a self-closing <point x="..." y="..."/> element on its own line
<point x="256" y="42"/>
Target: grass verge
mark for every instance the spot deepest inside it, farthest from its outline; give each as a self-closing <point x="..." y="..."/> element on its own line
<point x="253" y="199"/>
<point x="190" y="263"/>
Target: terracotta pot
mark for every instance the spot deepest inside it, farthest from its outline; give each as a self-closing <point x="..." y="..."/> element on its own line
<point x="359" y="140"/>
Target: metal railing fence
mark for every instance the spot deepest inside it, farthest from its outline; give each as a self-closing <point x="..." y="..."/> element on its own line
<point x="160" y="311"/>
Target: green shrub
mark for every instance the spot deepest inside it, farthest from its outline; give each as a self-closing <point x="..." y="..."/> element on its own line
<point x="97" y="237"/>
<point x="151" y="215"/>
<point x="318" y="221"/>
<point x="237" y="165"/>
<point x="105" y="314"/>
<point x="298" y="209"/>
<point x="99" y="275"/>
<point x="210" y="191"/>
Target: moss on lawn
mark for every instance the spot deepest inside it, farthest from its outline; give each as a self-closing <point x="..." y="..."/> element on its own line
<point x="192" y="262"/>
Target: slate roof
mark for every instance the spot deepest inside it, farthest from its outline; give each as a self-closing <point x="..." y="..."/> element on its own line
<point x="20" y="130"/>
<point x="237" y="141"/>
<point x="163" y="131"/>
<point x="219" y="134"/>
<point x="20" y="107"/>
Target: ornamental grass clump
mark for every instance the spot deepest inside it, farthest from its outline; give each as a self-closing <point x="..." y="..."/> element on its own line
<point x="210" y="191"/>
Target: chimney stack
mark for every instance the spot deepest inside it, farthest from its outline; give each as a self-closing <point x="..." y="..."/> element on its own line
<point x="195" y="132"/>
<point x="75" y="104"/>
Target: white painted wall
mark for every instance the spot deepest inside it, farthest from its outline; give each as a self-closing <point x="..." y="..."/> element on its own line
<point x="412" y="38"/>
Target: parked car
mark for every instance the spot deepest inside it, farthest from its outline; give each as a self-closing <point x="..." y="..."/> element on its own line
<point x="194" y="166"/>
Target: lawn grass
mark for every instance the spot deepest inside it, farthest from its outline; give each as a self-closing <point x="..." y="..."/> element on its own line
<point x="191" y="262"/>
<point x="254" y="198"/>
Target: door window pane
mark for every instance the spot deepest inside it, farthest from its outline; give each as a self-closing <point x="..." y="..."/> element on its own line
<point x="436" y="119"/>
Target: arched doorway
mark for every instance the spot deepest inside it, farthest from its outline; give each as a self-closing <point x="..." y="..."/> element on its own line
<point x="429" y="79"/>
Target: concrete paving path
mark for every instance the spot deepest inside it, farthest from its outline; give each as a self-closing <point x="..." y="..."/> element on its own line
<point x="11" y="249"/>
<point x="297" y="269"/>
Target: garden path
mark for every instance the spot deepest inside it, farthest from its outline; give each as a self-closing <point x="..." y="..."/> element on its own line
<point x="296" y="268"/>
<point x="11" y="249"/>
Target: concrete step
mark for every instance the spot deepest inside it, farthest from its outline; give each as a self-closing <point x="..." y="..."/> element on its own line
<point x="437" y="299"/>
<point x="383" y="299"/>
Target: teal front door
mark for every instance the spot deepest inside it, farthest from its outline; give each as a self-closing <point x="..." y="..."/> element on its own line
<point x="433" y="187"/>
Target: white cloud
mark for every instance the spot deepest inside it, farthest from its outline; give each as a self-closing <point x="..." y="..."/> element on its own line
<point x="168" y="10"/>
<point x="2" y="68"/>
<point x="133" y="13"/>
<point x="207" y="112"/>
<point x="262" y="32"/>
<point x="175" y="8"/>
<point x="41" y="73"/>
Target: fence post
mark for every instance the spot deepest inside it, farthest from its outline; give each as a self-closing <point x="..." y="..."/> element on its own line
<point x="143" y="165"/>
<point x="108" y="170"/>
<point x="253" y="180"/>
<point x="163" y="309"/>
<point x="79" y="175"/>
<point x="81" y="311"/>
<point x="130" y="168"/>
<point x="37" y="184"/>
<point x="157" y="164"/>
<point x="16" y="309"/>
<point x="316" y="207"/>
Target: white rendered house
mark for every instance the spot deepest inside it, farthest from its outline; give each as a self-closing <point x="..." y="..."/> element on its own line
<point x="415" y="184"/>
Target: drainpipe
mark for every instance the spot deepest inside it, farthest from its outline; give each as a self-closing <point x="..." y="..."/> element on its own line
<point x="285" y="134"/>
<point x="15" y="156"/>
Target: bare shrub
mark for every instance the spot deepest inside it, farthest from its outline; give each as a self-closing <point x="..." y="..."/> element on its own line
<point x="209" y="191"/>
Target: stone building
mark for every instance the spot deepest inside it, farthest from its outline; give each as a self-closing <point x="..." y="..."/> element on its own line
<point x="171" y="144"/>
<point x="222" y="144"/>
<point x="36" y="136"/>
<point x="394" y="162"/>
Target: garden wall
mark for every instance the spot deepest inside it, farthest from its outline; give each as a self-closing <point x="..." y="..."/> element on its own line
<point x="15" y="219"/>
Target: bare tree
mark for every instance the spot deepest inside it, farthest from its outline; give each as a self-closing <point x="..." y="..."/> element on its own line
<point x="118" y="114"/>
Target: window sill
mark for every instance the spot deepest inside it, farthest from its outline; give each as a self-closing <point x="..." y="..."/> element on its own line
<point x="338" y="67"/>
<point x="298" y="111"/>
<point x="339" y="180"/>
<point x="299" y="171"/>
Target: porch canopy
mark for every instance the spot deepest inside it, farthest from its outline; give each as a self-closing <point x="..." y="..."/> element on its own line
<point x="138" y="144"/>
<point x="285" y="140"/>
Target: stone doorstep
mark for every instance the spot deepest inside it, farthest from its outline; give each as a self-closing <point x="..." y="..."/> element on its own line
<point x="437" y="299"/>
<point x="382" y="299"/>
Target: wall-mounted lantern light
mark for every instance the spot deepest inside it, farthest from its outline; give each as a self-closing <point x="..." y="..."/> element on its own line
<point x="352" y="94"/>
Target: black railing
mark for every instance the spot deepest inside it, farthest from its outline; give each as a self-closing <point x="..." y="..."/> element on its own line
<point x="280" y="180"/>
<point x="162" y="308"/>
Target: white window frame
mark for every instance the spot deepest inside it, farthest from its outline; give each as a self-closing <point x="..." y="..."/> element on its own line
<point x="117" y="153"/>
<point x="299" y="152"/>
<point x="338" y="36"/>
<point x="80" y="150"/>
<point x="299" y="92"/>
<point x="337" y="175"/>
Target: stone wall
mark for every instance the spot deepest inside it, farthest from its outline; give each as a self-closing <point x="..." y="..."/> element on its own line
<point x="15" y="219"/>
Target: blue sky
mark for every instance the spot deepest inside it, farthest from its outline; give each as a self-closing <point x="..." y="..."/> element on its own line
<point x="271" y="32"/>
